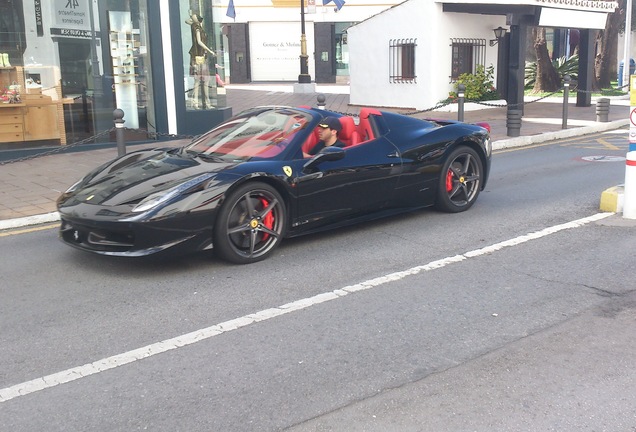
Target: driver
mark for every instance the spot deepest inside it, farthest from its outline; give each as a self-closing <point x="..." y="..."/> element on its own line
<point x="328" y="130"/>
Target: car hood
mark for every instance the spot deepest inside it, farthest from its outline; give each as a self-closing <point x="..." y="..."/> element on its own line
<point x="135" y="176"/>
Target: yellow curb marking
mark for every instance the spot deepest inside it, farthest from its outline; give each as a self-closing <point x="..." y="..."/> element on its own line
<point x="27" y="230"/>
<point x="607" y="145"/>
<point x="611" y="199"/>
<point x="564" y="143"/>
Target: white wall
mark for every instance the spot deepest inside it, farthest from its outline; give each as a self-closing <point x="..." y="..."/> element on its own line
<point x="275" y="50"/>
<point x="369" y="53"/>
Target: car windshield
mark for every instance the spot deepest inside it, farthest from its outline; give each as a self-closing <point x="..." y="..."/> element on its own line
<point x="257" y="133"/>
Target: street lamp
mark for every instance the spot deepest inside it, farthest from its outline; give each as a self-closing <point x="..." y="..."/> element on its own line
<point x="304" y="77"/>
<point x="499" y="34"/>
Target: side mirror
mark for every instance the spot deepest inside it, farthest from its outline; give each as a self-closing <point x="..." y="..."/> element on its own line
<point x="327" y="154"/>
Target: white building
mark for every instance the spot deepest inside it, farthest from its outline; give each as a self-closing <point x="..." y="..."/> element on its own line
<point x="411" y="54"/>
<point x="263" y="40"/>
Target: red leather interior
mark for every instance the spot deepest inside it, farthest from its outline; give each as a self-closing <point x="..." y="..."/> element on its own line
<point x="311" y="141"/>
<point x="365" y="130"/>
<point x="349" y="134"/>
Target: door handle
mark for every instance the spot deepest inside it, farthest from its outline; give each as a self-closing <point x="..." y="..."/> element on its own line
<point x="308" y="177"/>
<point x="395" y="154"/>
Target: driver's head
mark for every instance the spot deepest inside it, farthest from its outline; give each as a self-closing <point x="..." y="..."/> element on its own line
<point x="329" y="128"/>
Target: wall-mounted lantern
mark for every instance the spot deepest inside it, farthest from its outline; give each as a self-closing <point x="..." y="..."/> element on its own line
<point x="500" y="32"/>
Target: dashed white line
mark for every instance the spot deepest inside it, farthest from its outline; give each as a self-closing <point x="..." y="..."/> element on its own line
<point x="112" y="362"/>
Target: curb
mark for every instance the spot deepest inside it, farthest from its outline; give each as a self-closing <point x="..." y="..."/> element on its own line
<point x="612" y="199"/>
<point x="29" y="220"/>
<point x="565" y="133"/>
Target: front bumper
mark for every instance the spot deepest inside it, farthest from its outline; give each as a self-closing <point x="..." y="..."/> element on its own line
<point x="117" y="237"/>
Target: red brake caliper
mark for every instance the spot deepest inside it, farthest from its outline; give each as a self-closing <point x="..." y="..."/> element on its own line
<point x="449" y="181"/>
<point x="268" y="220"/>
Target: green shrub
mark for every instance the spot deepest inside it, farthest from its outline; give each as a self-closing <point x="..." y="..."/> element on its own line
<point x="479" y="86"/>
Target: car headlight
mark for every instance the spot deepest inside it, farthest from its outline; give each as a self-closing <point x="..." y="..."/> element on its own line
<point x="73" y="188"/>
<point x="155" y="199"/>
<point x="158" y="198"/>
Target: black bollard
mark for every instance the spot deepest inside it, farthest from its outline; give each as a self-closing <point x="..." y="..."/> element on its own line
<point x="602" y="110"/>
<point x="513" y="122"/>
<point x="566" y="97"/>
<point x="321" y="101"/>
<point x="461" y="89"/>
<point x="118" y="115"/>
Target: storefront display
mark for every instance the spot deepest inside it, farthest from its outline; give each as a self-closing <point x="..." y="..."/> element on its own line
<point x="72" y="72"/>
<point x="65" y="66"/>
<point x="203" y="55"/>
<point x="26" y="113"/>
<point x="124" y="50"/>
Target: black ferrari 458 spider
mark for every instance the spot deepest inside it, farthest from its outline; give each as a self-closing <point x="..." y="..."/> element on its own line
<point x="248" y="183"/>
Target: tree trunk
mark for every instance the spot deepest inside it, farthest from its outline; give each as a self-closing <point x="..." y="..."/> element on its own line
<point x="547" y="79"/>
<point x="606" y="48"/>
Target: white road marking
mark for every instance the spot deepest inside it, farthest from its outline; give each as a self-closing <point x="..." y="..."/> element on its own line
<point x="105" y="364"/>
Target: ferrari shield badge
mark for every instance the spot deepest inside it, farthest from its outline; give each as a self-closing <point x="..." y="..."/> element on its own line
<point x="287" y="170"/>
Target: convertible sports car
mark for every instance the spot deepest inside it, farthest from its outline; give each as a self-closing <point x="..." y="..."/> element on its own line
<point x="245" y="185"/>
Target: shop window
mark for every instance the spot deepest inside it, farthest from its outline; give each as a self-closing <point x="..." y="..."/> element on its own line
<point x="74" y="62"/>
<point x="342" y="49"/>
<point x="467" y="54"/>
<point x="203" y="56"/>
<point x="402" y="60"/>
<point x="12" y="34"/>
<point x="75" y="66"/>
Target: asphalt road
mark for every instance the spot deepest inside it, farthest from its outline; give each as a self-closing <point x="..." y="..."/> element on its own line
<point x="402" y="324"/>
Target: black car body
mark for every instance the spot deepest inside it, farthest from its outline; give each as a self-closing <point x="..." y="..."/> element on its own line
<point x="245" y="185"/>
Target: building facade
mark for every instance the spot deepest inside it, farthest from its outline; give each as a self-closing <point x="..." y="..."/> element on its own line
<point x="421" y="47"/>
<point x="65" y="65"/>
<point x="416" y="62"/>
<point x="264" y="38"/>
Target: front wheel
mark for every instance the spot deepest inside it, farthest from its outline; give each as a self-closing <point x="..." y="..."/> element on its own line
<point x="460" y="181"/>
<point x="250" y="224"/>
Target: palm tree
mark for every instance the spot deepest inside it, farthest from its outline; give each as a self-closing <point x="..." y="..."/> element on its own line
<point x="606" y="42"/>
<point x="547" y="79"/>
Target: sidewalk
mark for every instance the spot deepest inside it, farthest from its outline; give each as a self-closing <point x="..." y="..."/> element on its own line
<point x="30" y="188"/>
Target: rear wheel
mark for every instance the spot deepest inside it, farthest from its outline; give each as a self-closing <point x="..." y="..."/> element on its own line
<point x="250" y="224"/>
<point x="460" y="181"/>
